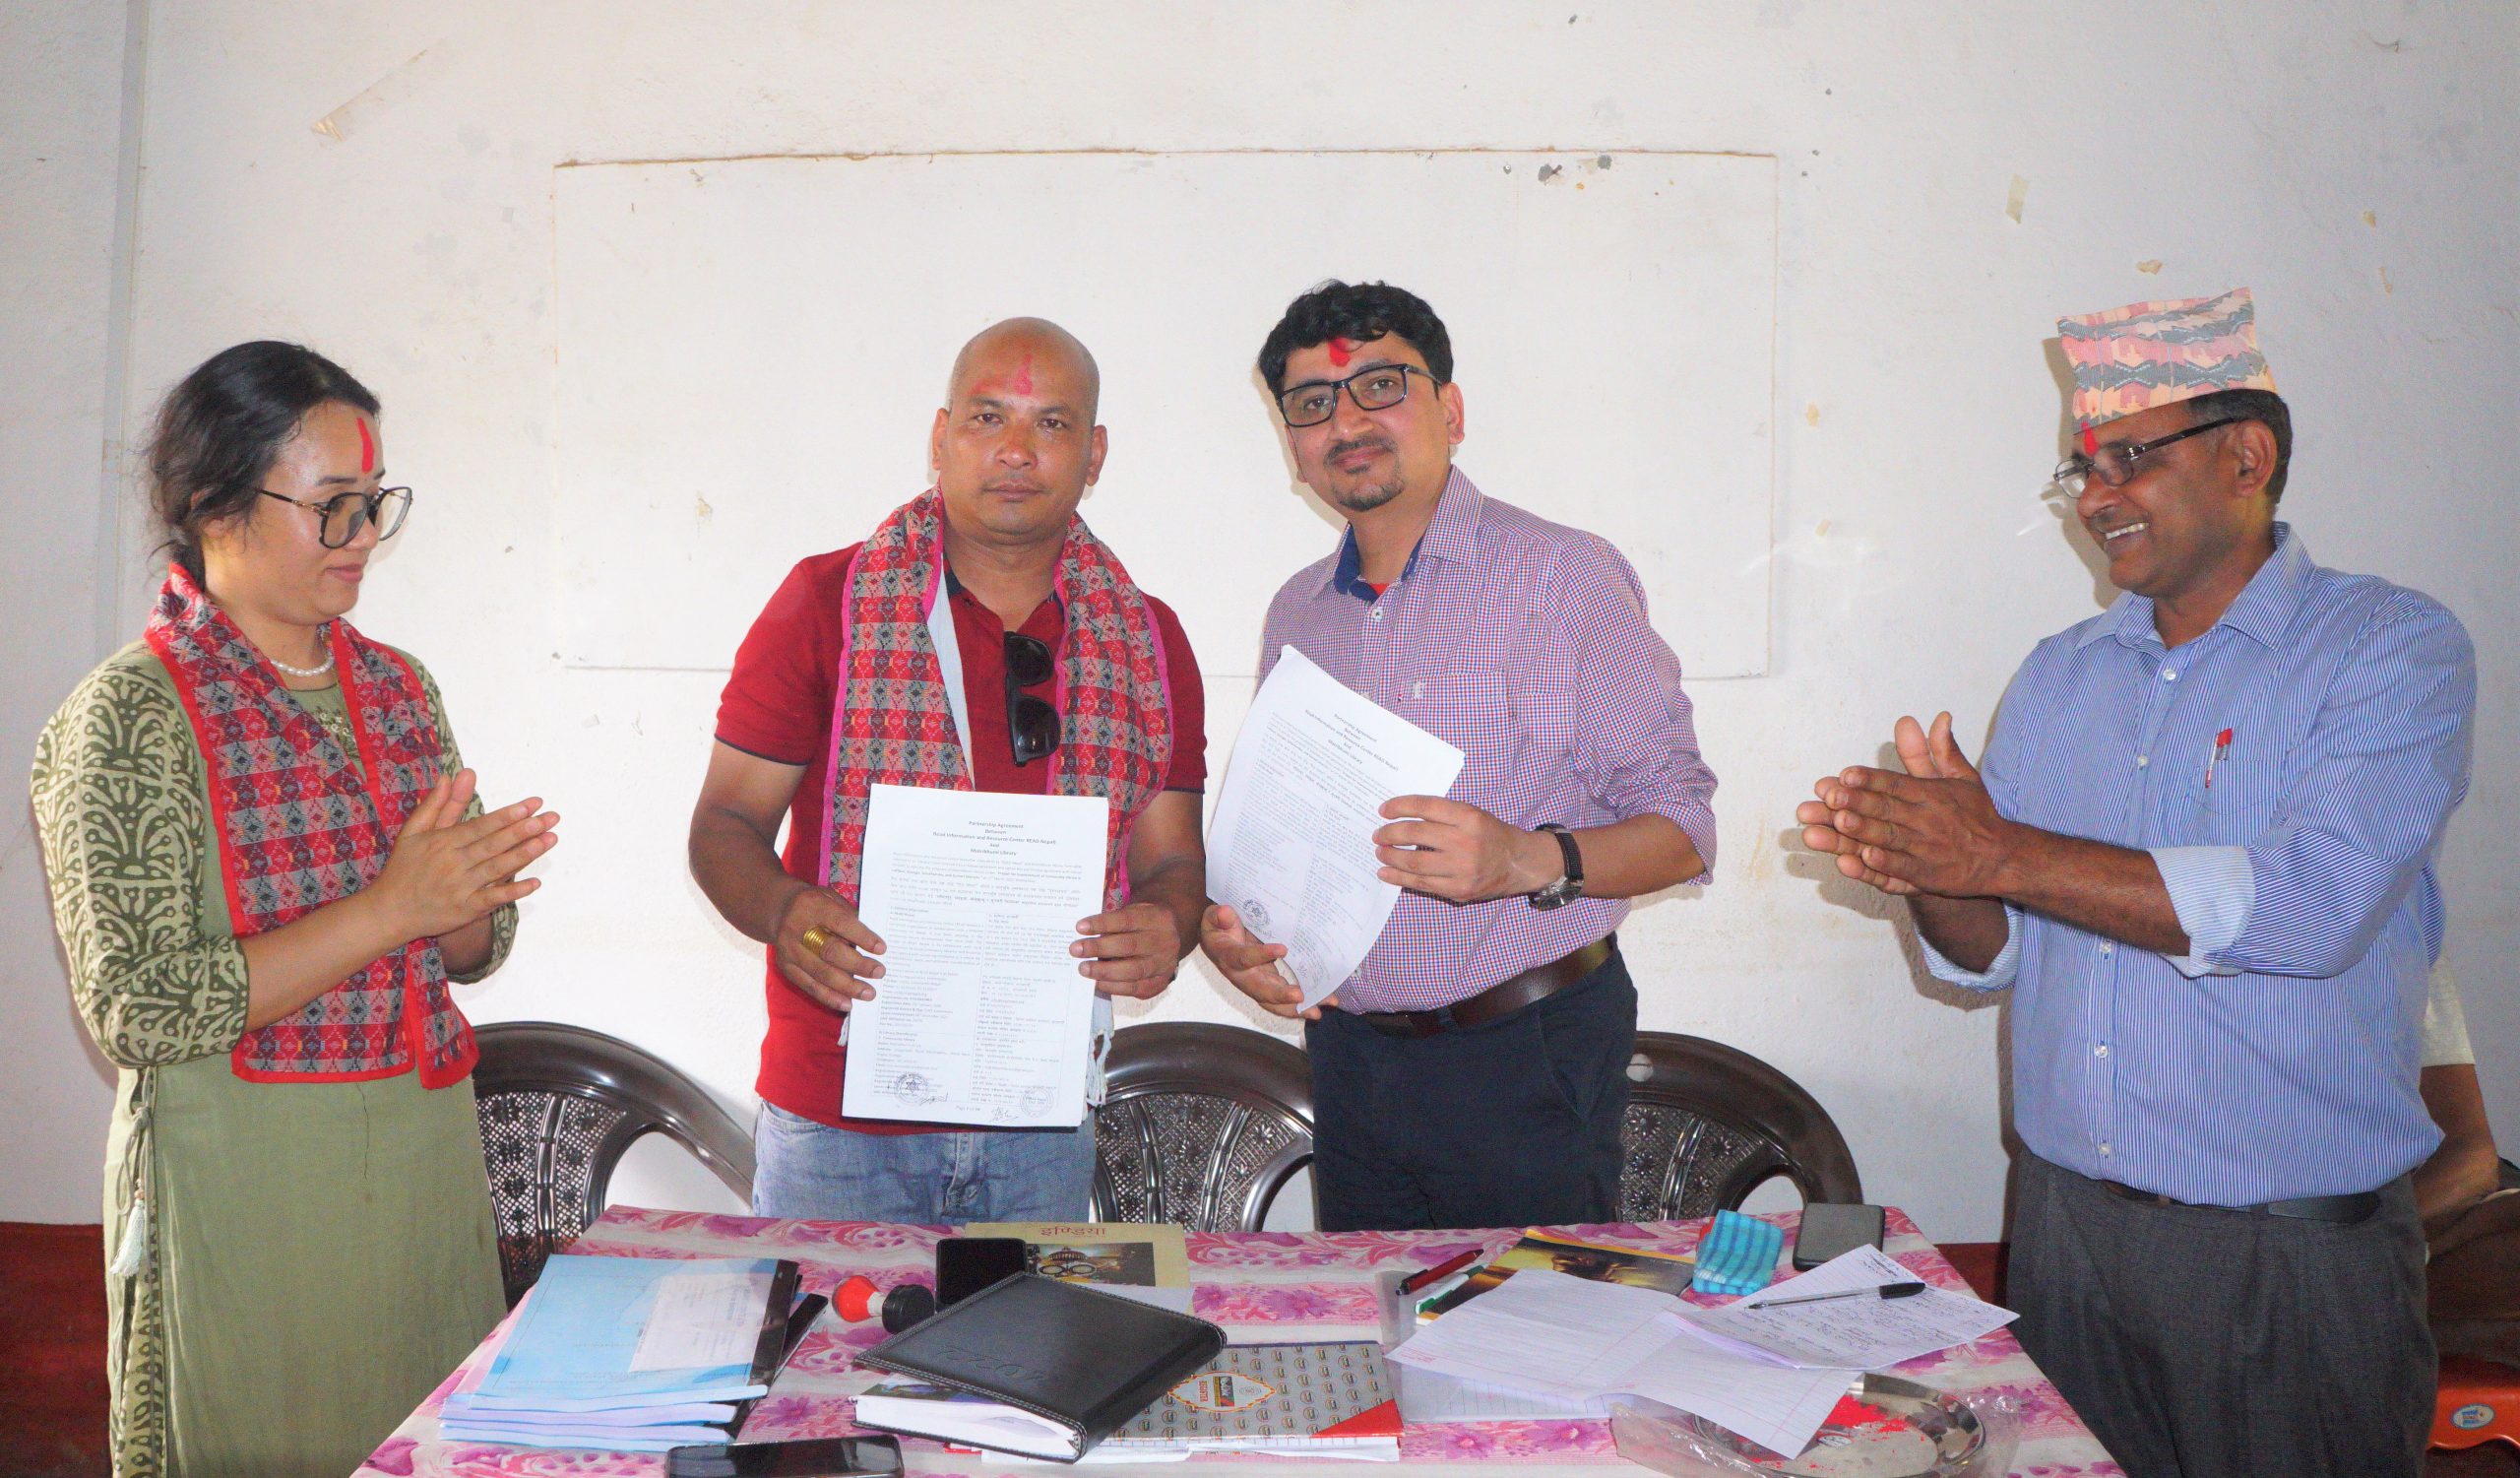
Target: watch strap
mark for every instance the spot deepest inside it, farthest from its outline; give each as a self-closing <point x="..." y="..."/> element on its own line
<point x="1570" y="885"/>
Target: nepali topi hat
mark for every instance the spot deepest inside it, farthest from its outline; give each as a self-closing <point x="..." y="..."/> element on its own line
<point x="2155" y="354"/>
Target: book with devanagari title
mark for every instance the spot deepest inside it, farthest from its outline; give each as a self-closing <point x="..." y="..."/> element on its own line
<point x="1320" y="1399"/>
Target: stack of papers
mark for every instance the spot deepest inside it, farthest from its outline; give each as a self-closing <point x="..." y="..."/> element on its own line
<point x="1768" y="1375"/>
<point x="632" y="1354"/>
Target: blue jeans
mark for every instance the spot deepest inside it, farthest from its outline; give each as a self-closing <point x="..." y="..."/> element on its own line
<point x="801" y="1168"/>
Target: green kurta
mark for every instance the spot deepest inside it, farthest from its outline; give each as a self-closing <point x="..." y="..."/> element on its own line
<point x="319" y="1254"/>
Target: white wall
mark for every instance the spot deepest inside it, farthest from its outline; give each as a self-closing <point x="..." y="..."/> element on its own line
<point x="2353" y="162"/>
<point x="61" y="92"/>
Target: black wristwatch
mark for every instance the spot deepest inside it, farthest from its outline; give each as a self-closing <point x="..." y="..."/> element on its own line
<point x="1567" y="888"/>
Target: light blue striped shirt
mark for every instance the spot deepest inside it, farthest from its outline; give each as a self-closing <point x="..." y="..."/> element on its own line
<point x="2291" y="770"/>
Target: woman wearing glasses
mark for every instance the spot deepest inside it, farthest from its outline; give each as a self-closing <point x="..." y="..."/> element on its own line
<point x="267" y="866"/>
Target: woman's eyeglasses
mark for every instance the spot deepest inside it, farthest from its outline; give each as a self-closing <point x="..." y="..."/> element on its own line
<point x="342" y="518"/>
<point x="1032" y="724"/>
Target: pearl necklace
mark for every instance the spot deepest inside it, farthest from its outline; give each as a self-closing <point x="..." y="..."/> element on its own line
<point x="314" y="672"/>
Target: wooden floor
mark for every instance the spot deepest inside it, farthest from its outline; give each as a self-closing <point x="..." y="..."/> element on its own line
<point x="53" y="1354"/>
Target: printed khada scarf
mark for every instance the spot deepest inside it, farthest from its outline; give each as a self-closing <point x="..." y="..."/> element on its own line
<point x="300" y="826"/>
<point x="893" y="724"/>
<point x="2158" y="353"/>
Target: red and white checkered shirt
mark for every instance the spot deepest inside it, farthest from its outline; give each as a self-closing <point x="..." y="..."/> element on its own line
<point x="1525" y="643"/>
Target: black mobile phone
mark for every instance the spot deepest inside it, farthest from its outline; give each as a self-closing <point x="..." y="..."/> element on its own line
<point x="1830" y="1228"/>
<point x="815" y="1457"/>
<point x="967" y="1264"/>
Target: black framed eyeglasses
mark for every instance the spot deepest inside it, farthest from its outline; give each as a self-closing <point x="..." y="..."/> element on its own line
<point x="1031" y="723"/>
<point x="341" y="517"/>
<point x="1378" y="388"/>
<point x="2114" y="465"/>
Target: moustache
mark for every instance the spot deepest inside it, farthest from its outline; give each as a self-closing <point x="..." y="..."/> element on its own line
<point x="1340" y="449"/>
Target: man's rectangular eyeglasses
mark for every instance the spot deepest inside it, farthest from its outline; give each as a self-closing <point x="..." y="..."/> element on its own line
<point x="1032" y="724"/>
<point x="1376" y="388"/>
<point x="341" y="517"/>
<point x="2114" y="465"/>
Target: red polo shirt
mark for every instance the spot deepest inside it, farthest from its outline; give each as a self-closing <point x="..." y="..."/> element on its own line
<point x="777" y="705"/>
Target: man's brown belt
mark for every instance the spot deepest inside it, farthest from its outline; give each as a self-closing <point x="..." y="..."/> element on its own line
<point x="2347" y="1210"/>
<point x="1498" y="1000"/>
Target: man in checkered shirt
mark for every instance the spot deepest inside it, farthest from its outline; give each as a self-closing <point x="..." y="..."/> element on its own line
<point x="1473" y="1071"/>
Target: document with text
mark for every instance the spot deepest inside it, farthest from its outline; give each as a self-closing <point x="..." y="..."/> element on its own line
<point x="981" y="1016"/>
<point x="1548" y="1334"/>
<point x="1858" y="1332"/>
<point x="1291" y="848"/>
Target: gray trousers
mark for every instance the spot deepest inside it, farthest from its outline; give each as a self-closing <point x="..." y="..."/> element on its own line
<point x="2215" y="1344"/>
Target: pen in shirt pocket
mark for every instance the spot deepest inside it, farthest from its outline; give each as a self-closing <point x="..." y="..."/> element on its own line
<point x="2222" y="747"/>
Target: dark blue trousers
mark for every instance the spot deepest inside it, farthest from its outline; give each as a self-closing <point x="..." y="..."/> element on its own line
<point x="1511" y="1123"/>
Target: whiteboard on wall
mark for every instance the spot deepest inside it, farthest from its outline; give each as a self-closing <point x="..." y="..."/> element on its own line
<point x="751" y="352"/>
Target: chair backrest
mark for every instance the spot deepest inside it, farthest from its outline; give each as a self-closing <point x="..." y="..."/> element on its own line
<point x="558" y="1105"/>
<point x="1201" y="1126"/>
<point x="1707" y="1124"/>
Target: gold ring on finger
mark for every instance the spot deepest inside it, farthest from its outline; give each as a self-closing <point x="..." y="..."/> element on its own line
<point x="815" y="939"/>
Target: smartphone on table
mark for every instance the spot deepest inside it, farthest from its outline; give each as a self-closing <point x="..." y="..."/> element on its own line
<point x="967" y="1264"/>
<point x="1830" y="1228"/>
<point x="815" y="1457"/>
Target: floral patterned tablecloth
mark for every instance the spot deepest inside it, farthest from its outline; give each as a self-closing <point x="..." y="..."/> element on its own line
<point x="1259" y="1285"/>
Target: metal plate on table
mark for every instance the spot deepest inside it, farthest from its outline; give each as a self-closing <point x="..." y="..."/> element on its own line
<point x="1921" y="1432"/>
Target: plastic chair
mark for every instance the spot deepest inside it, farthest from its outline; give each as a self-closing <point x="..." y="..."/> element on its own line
<point x="558" y="1106"/>
<point x="1201" y="1126"/>
<point x="2478" y="1401"/>
<point x="1708" y="1123"/>
<point x="2478" y="1397"/>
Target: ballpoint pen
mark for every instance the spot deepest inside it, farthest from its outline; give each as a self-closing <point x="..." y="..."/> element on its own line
<point x="1885" y="1290"/>
<point x="1444" y="1269"/>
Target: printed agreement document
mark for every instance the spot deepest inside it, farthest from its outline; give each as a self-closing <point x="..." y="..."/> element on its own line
<point x="1292" y="850"/>
<point x="981" y="1016"/>
<point x="1857" y="1333"/>
<point x="1544" y="1332"/>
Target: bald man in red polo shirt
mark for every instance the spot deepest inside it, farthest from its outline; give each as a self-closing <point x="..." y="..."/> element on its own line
<point x="1035" y="612"/>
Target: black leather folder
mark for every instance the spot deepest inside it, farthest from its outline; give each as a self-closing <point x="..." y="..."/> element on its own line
<point x="1082" y="1361"/>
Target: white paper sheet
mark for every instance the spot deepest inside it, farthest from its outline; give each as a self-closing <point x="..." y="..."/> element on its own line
<point x="981" y="1016"/>
<point x="1428" y="1396"/>
<point x="1858" y="1333"/>
<point x="1551" y="1334"/>
<point x="702" y="1318"/>
<point x="1291" y="848"/>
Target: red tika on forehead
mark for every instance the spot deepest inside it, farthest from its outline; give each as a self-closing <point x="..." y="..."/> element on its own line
<point x="1341" y="352"/>
<point x="2091" y="442"/>
<point x="367" y="446"/>
<point x="1022" y="380"/>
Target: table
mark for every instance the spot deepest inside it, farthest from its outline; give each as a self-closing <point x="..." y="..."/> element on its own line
<point x="1258" y="1285"/>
